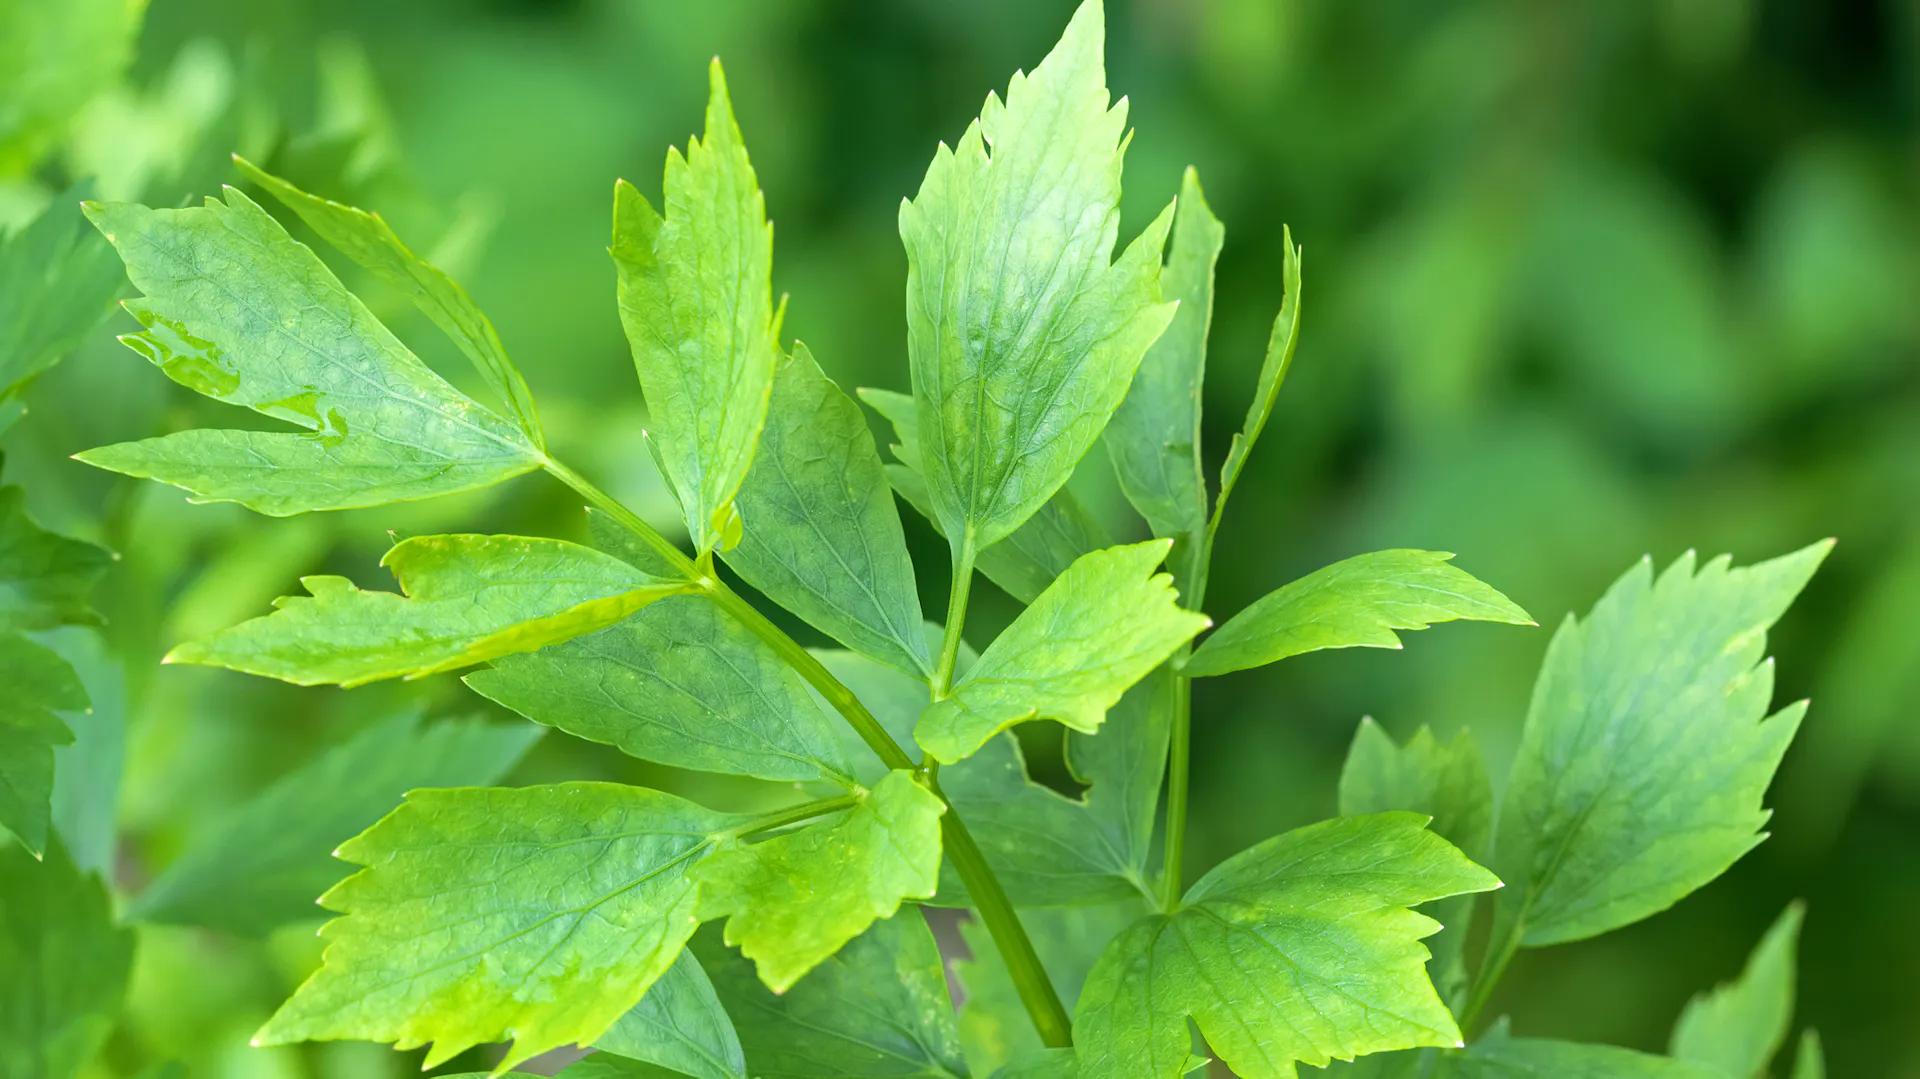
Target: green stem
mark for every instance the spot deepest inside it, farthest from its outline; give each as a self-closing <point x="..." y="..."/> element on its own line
<point x="780" y="818"/>
<point x="1178" y="754"/>
<point x="1499" y="953"/>
<point x="989" y="898"/>
<point x="957" y="596"/>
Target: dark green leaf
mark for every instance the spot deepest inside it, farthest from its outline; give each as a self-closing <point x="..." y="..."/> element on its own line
<point x="63" y="964"/>
<point x="45" y="579"/>
<point x="1738" y="1027"/>
<point x="38" y="683"/>
<point x="681" y="1026"/>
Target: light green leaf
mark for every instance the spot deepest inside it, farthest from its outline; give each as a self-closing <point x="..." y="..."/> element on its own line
<point x="1281" y="342"/>
<point x="57" y="282"/>
<point x="793" y="900"/>
<point x="261" y="864"/>
<point x="1154" y="438"/>
<point x="53" y="59"/>
<point x="1102" y="626"/>
<point x="1022" y="337"/>
<point x="696" y="298"/>
<point x="371" y="243"/>
<point x="1738" y="1027"/>
<point x="1646" y="748"/>
<point x="680" y="1025"/>
<point x="540" y="914"/>
<point x="1029" y="559"/>
<point x="1809" y="1060"/>
<point x="1298" y="949"/>
<point x="680" y="683"/>
<point x="995" y="1028"/>
<point x="1500" y="1057"/>
<point x="878" y="1009"/>
<point x="464" y="599"/>
<point x="38" y="684"/>
<point x="45" y="579"/>
<point x="1356" y="602"/>
<point x="821" y="536"/>
<point x="1446" y="781"/>
<point x="63" y="964"/>
<point x="379" y="425"/>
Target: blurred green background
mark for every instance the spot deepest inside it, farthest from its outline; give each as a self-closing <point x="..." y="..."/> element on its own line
<point x="1584" y="282"/>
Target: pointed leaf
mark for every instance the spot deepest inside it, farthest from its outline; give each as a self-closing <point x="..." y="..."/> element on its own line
<point x="1738" y="1027"/>
<point x="680" y="683"/>
<point x="1500" y="1057"/>
<point x="464" y="599"/>
<point x="878" y="1009"/>
<point x="1154" y="438"/>
<point x="696" y="298"/>
<point x="261" y="864"/>
<point x="1021" y="335"/>
<point x="371" y="243"/>
<point x="38" y="684"/>
<point x="794" y="900"/>
<point x="1357" y="602"/>
<point x="45" y="579"/>
<point x="1809" y="1060"/>
<point x="1281" y="342"/>
<point x="236" y="310"/>
<point x="821" y="536"/>
<point x="1300" y="949"/>
<point x="57" y="282"/>
<point x="680" y="1025"/>
<point x="540" y="914"/>
<point x="1646" y="751"/>
<point x="1098" y="629"/>
<point x="63" y="964"/>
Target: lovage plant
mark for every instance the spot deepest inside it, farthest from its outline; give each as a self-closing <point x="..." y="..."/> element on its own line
<point x="570" y="914"/>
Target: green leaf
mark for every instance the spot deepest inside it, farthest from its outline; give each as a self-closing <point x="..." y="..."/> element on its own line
<point x="53" y="59"/>
<point x="681" y="1026"/>
<point x="878" y="1009"/>
<point x="1646" y="748"/>
<point x="464" y="599"/>
<point x="1021" y="335"/>
<point x="261" y="864"/>
<point x="1122" y="766"/>
<point x="696" y="298"/>
<point x="380" y="426"/>
<point x="994" y="1025"/>
<point x="1029" y="559"/>
<point x="87" y="770"/>
<point x="680" y="683"/>
<point x="1098" y="629"/>
<point x="1738" y="1027"/>
<point x="1281" y="342"/>
<point x="1154" y="438"/>
<point x="371" y="243"/>
<point x="821" y="536"/>
<point x="1498" y="1056"/>
<point x="45" y="579"/>
<point x="1446" y="781"/>
<point x="1809" y="1060"/>
<point x="1356" y="602"/>
<point x="793" y="900"/>
<point x="540" y="914"/>
<point x="38" y="684"/>
<point x="63" y="964"/>
<point x="1298" y="949"/>
<point x="57" y="282"/>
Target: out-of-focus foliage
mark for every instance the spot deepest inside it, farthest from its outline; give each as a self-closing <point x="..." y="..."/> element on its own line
<point x="1590" y="281"/>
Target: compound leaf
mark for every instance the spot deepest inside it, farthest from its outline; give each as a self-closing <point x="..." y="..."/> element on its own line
<point x="680" y="1025"/>
<point x="1022" y="336"/>
<point x="38" y="684"/>
<point x="1738" y="1027"/>
<point x="877" y="1009"/>
<point x="696" y="299"/>
<point x="1099" y="628"/>
<point x="1646" y="748"/>
<point x="63" y="964"/>
<point x="236" y="310"/>
<point x="261" y="865"/>
<point x="464" y="599"/>
<point x="793" y="900"/>
<point x="1154" y="438"/>
<point x="681" y="683"/>
<point x="821" y="535"/>
<point x="1299" y="949"/>
<point x="371" y="243"/>
<point x="1356" y="602"/>
<point x="45" y="579"/>
<point x="540" y="914"/>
